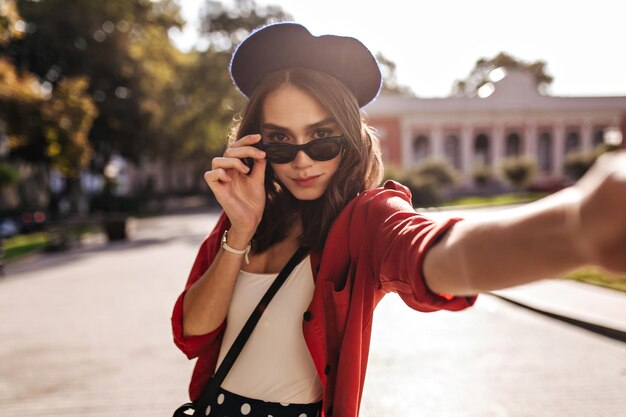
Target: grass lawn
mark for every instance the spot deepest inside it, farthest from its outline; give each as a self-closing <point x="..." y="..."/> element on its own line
<point x="597" y="276"/>
<point x="23" y="244"/>
<point x="496" y="200"/>
<point x="20" y="245"/>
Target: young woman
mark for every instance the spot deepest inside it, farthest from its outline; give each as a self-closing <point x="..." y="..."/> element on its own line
<point x="314" y="182"/>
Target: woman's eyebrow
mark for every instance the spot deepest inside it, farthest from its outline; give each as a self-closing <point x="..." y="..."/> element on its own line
<point x="325" y="122"/>
<point x="272" y="126"/>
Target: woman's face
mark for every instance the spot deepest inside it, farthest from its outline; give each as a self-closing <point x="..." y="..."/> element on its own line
<point x="289" y="115"/>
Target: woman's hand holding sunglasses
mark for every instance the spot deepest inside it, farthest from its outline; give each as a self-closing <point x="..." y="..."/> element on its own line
<point x="239" y="189"/>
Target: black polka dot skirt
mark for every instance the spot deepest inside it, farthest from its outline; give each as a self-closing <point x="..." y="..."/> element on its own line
<point x="228" y="404"/>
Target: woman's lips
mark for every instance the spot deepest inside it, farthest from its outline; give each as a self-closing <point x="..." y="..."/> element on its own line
<point x="307" y="181"/>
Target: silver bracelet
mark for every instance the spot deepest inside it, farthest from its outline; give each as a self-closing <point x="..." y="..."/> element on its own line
<point x="230" y="249"/>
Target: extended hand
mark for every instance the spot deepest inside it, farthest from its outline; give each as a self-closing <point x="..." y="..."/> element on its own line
<point x="602" y="212"/>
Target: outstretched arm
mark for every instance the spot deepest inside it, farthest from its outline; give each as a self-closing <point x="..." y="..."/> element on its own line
<point x="583" y="224"/>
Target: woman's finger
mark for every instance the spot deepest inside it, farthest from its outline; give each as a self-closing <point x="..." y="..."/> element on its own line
<point x="216" y="176"/>
<point x="229" y="163"/>
<point x="244" y="152"/>
<point x="258" y="170"/>
<point x="246" y="140"/>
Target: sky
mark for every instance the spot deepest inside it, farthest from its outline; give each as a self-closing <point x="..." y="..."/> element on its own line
<point x="435" y="42"/>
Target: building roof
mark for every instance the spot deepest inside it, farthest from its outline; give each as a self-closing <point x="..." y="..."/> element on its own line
<point x="516" y="91"/>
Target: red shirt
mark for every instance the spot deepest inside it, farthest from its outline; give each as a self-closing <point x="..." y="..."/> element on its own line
<point x="375" y="246"/>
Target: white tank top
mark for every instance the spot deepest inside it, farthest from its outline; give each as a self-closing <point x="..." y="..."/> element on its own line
<point x="275" y="364"/>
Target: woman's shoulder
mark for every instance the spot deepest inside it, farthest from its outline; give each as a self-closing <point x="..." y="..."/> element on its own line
<point x="377" y="202"/>
<point x="389" y="191"/>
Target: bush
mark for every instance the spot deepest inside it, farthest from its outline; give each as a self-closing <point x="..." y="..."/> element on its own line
<point x="426" y="181"/>
<point x="519" y="171"/>
<point x="8" y="175"/>
<point x="482" y="175"/>
<point x="440" y="172"/>
<point x="578" y="163"/>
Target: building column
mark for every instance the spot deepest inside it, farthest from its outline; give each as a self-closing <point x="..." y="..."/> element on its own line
<point x="467" y="148"/>
<point x="497" y="150"/>
<point x="405" y="143"/>
<point x="558" y="150"/>
<point x="436" y="141"/>
<point x="530" y="141"/>
<point x="586" y="137"/>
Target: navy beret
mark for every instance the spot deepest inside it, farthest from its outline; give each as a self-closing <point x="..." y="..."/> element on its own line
<point x="290" y="45"/>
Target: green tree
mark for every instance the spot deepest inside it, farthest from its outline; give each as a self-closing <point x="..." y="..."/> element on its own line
<point x="227" y="25"/>
<point x="44" y="126"/>
<point x="8" y="175"/>
<point x="205" y="99"/>
<point x="99" y="40"/>
<point x="390" y="79"/>
<point x="67" y="118"/>
<point x="480" y="74"/>
<point x="11" y="26"/>
<point x="152" y="99"/>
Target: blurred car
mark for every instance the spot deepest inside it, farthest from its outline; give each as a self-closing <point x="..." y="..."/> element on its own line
<point x="32" y="221"/>
<point x="9" y="227"/>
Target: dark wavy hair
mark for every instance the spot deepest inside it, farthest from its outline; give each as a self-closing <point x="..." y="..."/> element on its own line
<point x="360" y="168"/>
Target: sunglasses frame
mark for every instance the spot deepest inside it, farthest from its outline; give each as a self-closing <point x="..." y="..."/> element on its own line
<point x="294" y="149"/>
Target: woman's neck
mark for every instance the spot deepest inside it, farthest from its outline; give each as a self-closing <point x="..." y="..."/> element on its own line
<point x="274" y="258"/>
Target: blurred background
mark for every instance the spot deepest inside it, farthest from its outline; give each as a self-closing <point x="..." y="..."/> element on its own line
<point x="111" y="111"/>
<point x="116" y="108"/>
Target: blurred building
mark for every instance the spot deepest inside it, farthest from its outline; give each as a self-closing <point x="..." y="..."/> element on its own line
<point x="511" y="119"/>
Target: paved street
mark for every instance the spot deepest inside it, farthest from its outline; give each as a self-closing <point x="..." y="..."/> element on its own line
<point x="87" y="333"/>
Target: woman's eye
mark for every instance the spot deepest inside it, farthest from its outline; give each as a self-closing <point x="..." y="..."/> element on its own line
<point x="322" y="133"/>
<point x="277" y="137"/>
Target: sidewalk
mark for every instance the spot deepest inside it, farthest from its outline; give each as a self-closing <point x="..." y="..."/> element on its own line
<point x="87" y="333"/>
<point x="579" y="302"/>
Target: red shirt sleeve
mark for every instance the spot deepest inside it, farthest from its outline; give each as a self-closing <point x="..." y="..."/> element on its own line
<point x="194" y="346"/>
<point x="399" y="239"/>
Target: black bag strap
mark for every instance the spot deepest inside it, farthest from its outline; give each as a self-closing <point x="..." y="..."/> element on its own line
<point x="229" y="360"/>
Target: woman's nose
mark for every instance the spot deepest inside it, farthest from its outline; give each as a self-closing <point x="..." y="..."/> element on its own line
<point x="302" y="160"/>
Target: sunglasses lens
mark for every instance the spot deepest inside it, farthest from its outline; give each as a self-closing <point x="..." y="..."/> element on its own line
<point x="281" y="154"/>
<point x="324" y="150"/>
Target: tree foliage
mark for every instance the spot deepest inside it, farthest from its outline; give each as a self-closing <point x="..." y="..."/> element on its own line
<point x="8" y="175"/>
<point x="102" y="42"/>
<point x="480" y="74"/>
<point x="205" y="98"/>
<point x="390" y="79"/>
<point x="67" y="118"/>
<point x="226" y="26"/>
<point x="151" y="99"/>
<point x="11" y="26"/>
<point x="44" y="126"/>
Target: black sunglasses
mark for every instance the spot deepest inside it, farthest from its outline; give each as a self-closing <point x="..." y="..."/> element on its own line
<point x="323" y="149"/>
